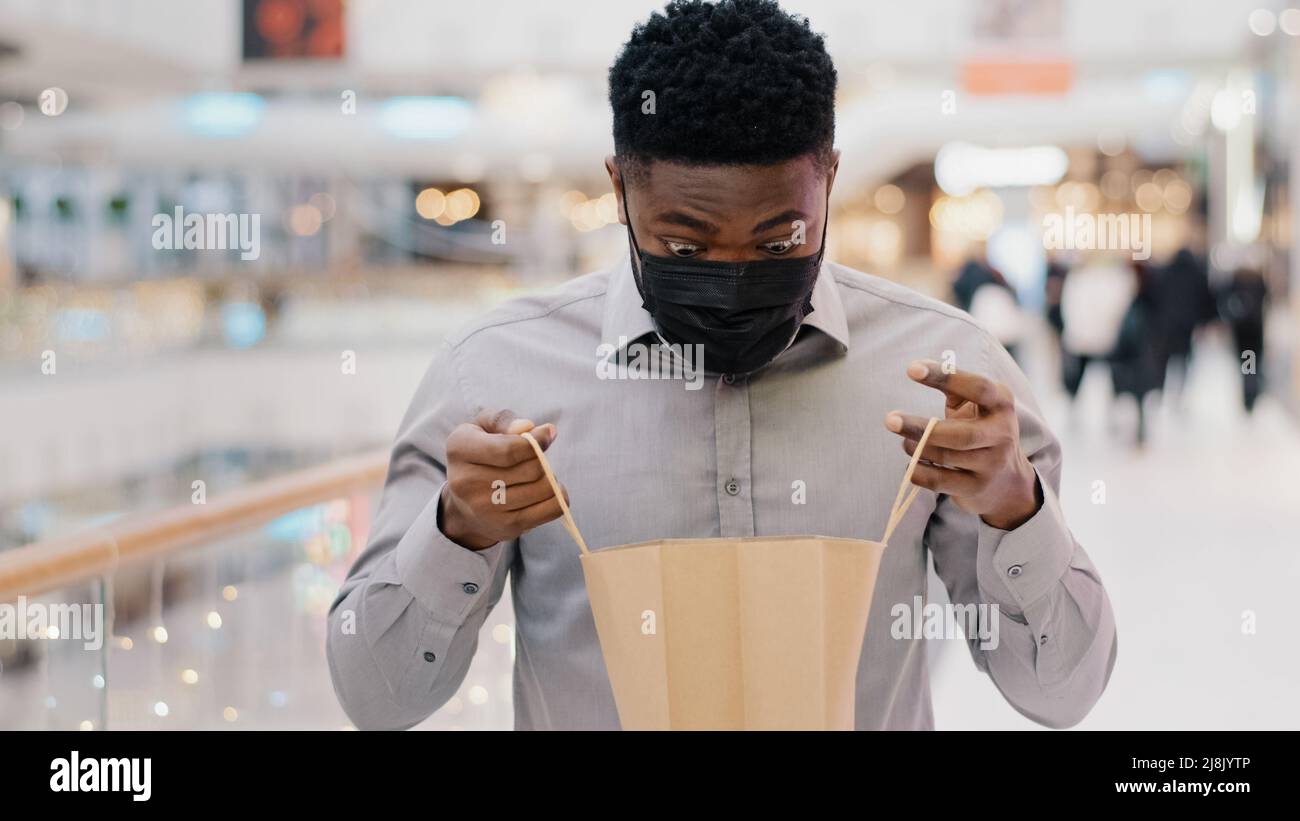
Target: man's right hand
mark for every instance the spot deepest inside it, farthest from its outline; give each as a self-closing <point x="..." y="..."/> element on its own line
<point x="477" y="511"/>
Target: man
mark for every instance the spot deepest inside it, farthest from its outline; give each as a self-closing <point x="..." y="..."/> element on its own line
<point x="723" y="165"/>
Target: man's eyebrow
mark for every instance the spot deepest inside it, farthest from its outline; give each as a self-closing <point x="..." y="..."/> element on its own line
<point x="787" y="216"/>
<point x="687" y="221"/>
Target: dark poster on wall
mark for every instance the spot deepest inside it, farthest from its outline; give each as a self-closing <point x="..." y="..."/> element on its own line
<point x="293" y="29"/>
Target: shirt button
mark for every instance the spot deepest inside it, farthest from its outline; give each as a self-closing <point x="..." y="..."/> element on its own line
<point x="1015" y="570"/>
<point x="428" y="656"/>
<point x="1042" y="639"/>
<point x="469" y="587"/>
<point x="733" y="487"/>
<point x="729" y="378"/>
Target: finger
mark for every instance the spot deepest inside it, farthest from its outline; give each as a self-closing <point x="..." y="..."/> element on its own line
<point x="539" y="514"/>
<point x="519" y="497"/>
<point x="545" y="434"/>
<point x="951" y="481"/>
<point x="497" y="450"/>
<point x="498" y="421"/>
<point x="961" y="386"/>
<point x="482" y="478"/>
<point x="524" y="473"/>
<point x="964" y="459"/>
<point x="957" y="434"/>
<point x="519" y="426"/>
<point x="966" y="410"/>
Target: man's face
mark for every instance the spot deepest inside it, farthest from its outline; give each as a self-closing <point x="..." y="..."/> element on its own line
<point x="727" y="213"/>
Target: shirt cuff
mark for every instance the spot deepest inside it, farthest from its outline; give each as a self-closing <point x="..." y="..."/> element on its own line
<point x="1018" y="567"/>
<point x="447" y="579"/>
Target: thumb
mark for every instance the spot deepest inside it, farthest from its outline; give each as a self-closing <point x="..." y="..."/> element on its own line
<point x="545" y="434"/>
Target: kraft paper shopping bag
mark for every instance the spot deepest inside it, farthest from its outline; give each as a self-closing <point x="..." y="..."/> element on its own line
<point x="745" y="633"/>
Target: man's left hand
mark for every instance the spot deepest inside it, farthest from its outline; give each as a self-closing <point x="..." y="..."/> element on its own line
<point x="973" y="454"/>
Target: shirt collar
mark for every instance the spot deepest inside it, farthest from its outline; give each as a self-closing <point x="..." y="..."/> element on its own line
<point x="828" y="311"/>
<point x="626" y="320"/>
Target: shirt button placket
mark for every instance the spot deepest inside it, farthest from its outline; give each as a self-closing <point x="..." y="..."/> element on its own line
<point x="731" y="433"/>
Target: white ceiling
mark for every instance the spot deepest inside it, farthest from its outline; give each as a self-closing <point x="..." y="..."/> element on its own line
<point x="125" y="63"/>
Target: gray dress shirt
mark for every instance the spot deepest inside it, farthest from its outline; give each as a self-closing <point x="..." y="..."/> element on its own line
<point x="797" y="448"/>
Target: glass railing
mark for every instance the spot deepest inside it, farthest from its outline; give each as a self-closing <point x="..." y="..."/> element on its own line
<point x="208" y="618"/>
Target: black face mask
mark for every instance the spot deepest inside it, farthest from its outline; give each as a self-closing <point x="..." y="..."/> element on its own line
<point x="744" y="314"/>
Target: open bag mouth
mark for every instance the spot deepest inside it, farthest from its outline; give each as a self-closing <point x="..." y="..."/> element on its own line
<point x="753" y="632"/>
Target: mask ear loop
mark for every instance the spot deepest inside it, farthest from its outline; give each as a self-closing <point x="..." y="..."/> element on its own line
<point x="821" y="251"/>
<point x="627" y="212"/>
<point x="646" y="302"/>
<point x="826" y="221"/>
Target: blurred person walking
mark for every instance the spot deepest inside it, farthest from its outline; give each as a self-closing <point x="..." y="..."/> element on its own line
<point x="972" y="275"/>
<point x="1053" y="284"/>
<point x="1094" y="300"/>
<point x="1182" y="302"/>
<point x="1243" y="304"/>
<point x="1136" y="364"/>
<point x="983" y="292"/>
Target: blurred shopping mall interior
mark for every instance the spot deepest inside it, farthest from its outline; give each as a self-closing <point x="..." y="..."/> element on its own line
<point x="395" y="167"/>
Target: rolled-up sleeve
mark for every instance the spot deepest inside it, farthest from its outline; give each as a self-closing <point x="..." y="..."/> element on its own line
<point x="1056" y="630"/>
<point x="404" y="626"/>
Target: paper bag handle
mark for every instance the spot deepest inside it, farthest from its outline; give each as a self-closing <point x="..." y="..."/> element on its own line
<point x="901" y="505"/>
<point x="896" y="513"/>
<point x="569" y="524"/>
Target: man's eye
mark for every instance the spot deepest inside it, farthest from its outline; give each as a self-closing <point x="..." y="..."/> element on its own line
<point x="681" y="249"/>
<point x="779" y="246"/>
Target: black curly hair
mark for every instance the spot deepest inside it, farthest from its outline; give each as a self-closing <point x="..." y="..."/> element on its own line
<point x="735" y="82"/>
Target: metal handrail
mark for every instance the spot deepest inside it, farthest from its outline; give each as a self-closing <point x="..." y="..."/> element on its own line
<point x="48" y="565"/>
